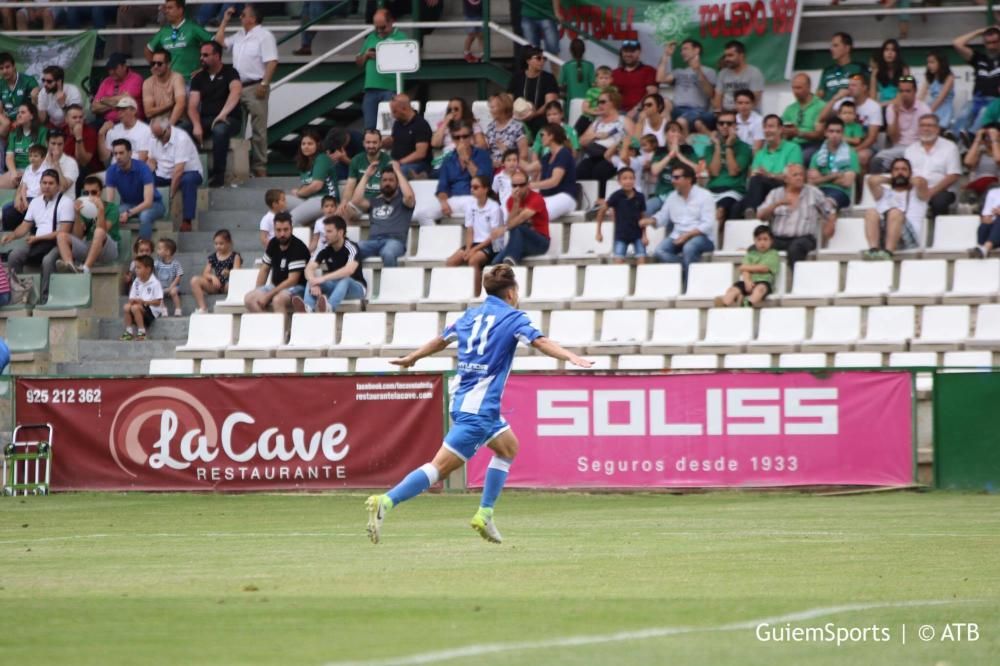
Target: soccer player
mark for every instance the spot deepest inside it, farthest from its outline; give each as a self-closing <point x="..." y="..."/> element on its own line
<point x="487" y="339"/>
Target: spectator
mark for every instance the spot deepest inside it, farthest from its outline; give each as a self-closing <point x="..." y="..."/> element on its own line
<point x="986" y="66"/>
<point x="527" y="226"/>
<point x="935" y="160"/>
<point x="169" y="272"/>
<point x="628" y="206"/>
<point x="558" y="177"/>
<point x="15" y="89"/>
<point x="175" y="162"/>
<point x="181" y="37"/>
<point x="736" y="74"/>
<point x="939" y="88"/>
<point x="602" y="83"/>
<point x="29" y="188"/>
<point x="454" y="190"/>
<point x="255" y="57"/>
<point x="601" y="140"/>
<point x="138" y="133"/>
<point x="664" y="161"/>
<point x="88" y="240"/>
<point x="311" y="12"/>
<point x="835" y="77"/>
<point x="633" y="79"/>
<point x="553" y="116"/>
<point x="749" y="123"/>
<point x="55" y="95"/>
<point x="758" y="272"/>
<point x="57" y="159"/>
<point x="285" y="260"/>
<point x="45" y="16"/>
<point x="728" y="160"/>
<point x="691" y="211"/>
<point x="378" y="87"/>
<point x="142" y="247"/>
<point x="373" y="154"/>
<point x="504" y="132"/>
<point x="767" y="171"/>
<point x="654" y="118"/>
<point x="897" y="221"/>
<point x="317" y="241"/>
<point x="214" y="279"/>
<point x="134" y="16"/>
<point x="119" y="85"/>
<point x="638" y="156"/>
<point x="472" y="10"/>
<point x="694" y="85"/>
<point x="341" y="277"/>
<point x="887" y="68"/>
<point x="77" y="16"/>
<point x="798" y="214"/>
<point x="82" y="141"/>
<point x="145" y="301"/>
<point x="276" y="203"/>
<point x="215" y="94"/>
<point x="164" y="92"/>
<point x="539" y="27"/>
<point x="902" y="116"/>
<point x="577" y="75"/>
<point x="411" y="138"/>
<point x="26" y="131"/>
<point x="834" y="168"/>
<point x="458" y="110"/>
<point x="535" y="85"/>
<point x="316" y="178"/>
<point x="983" y="161"/>
<point x="988" y="232"/>
<point x="132" y="180"/>
<point x="801" y="118"/>
<point x="502" y="180"/>
<point x="869" y="114"/>
<point x="213" y="13"/>
<point x="482" y="216"/>
<point x="390" y="213"/>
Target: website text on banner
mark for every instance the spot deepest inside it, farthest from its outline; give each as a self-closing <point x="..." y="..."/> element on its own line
<point x="719" y="429"/>
<point x="768" y="29"/>
<point x="235" y="433"/>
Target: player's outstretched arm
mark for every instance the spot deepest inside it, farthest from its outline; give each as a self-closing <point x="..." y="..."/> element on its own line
<point x="555" y="350"/>
<point x="430" y="347"/>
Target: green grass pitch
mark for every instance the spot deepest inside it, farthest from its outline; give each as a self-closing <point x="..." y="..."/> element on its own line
<point x="144" y="579"/>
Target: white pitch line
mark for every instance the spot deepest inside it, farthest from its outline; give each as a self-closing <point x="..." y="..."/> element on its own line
<point x="622" y="636"/>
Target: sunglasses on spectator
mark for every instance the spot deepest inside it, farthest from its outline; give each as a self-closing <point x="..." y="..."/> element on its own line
<point x="724" y="123"/>
<point x="158" y="63"/>
<point x="48" y="80"/>
<point x="92" y="193"/>
<point x="459" y="137"/>
<point x="521" y="184"/>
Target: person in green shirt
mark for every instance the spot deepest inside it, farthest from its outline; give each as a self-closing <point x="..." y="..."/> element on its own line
<point x="89" y="239"/>
<point x="554" y="114"/>
<point x="768" y="166"/>
<point x="837" y="75"/>
<point x="180" y="37"/>
<point x="577" y="75"/>
<point x="757" y="273"/>
<point x="378" y="87"/>
<point x="15" y="89"/>
<point x="317" y="178"/>
<point x="854" y="132"/>
<point x="372" y="154"/>
<point x="834" y="167"/>
<point x="728" y="163"/>
<point x="26" y="131"/>
<point x="801" y="118"/>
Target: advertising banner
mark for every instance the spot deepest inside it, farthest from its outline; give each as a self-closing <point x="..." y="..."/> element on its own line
<point x="708" y="430"/>
<point x="966" y="443"/>
<point x="235" y="433"/>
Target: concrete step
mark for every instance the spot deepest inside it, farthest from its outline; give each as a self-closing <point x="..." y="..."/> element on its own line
<point x="116" y="350"/>
<point x="249" y="196"/>
<point x="244" y="219"/>
<point x="169" y="328"/>
<point x="188" y="304"/>
<point x="131" y="368"/>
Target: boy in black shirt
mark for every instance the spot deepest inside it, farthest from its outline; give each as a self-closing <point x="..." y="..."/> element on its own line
<point x="629" y="206"/>
<point x="285" y="259"/>
<point x="335" y="273"/>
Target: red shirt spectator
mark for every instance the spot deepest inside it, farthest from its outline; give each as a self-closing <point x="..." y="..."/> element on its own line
<point x="90" y="143"/>
<point x="121" y="81"/>
<point x="633" y="79"/>
<point x="536" y="202"/>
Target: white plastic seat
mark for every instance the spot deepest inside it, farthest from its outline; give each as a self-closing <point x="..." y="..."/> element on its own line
<point x="603" y="287"/>
<point x="325" y="365"/>
<point x="375" y="364"/>
<point x="642" y="362"/>
<point x="834" y="329"/>
<point x="575" y="111"/>
<point x="925" y="380"/>
<point x="694" y="362"/>
<point x="590" y="190"/>
<point x="942" y="328"/>
<point x="582" y="245"/>
<point x="312" y="334"/>
<point x="222" y="366"/>
<point x="435" y="111"/>
<point x="399" y="289"/>
<point x="434" y="364"/>
<point x="261" y="333"/>
<point x="449" y="287"/>
<point x="622" y="331"/>
<point x="274" y="366"/>
<point x="868" y="283"/>
<point x="953" y="235"/>
<point x="435" y="243"/>
<point x="424" y="195"/>
<point x="410" y="330"/>
<point x="737" y="238"/>
<point x="361" y="334"/>
<point x="974" y="281"/>
<point x="705" y="282"/>
<point x="598" y="362"/>
<point x="303" y="233"/>
<point x="555" y="251"/>
<point x="171" y="366"/>
<point x="779" y="330"/>
<point x="727" y="330"/>
<point x="573" y="329"/>
<point x="968" y="359"/>
<point x="920" y="282"/>
<point x="674" y="331"/>
<point x="848" y="239"/>
<point x="526" y="363"/>
<point x="746" y="361"/>
<point x="241" y="282"/>
<point x="656" y="285"/>
<point x="813" y="283"/>
<point x="809" y="360"/>
<point x="857" y="360"/>
<point x="867" y="198"/>
<point x="208" y="336"/>
<point x="551" y="287"/>
<point x="889" y="328"/>
<point x="987" y="333"/>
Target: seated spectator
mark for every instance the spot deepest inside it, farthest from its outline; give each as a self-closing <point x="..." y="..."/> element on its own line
<point x="887" y="70"/>
<point x="558" y="175"/>
<point x="133" y="181"/>
<point x="801" y="118"/>
<point x="28" y="189"/>
<point x="798" y="213"/>
<point x="390" y="213"/>
<point x="482" y="216"/>
<point x="82" y="141"/>
<point x="215" y="95"/>
<point x="527" y="225"/>
<point x="183" y="38"/>
<point x="504" y="133"/>
<point x="749" y="123"/>
<point x="26" y="131"/>
<point x="854" y="133"/>
<point x="867" y="111"/>
<point x="15" y="89"/>
<point x="602" y="83"/>
<point x="120" y="83"/>
<point x="535" y="85"/>
<point x="665" y="160"/>
<point x="372" y="154"/>
<point x="767" y="171"/>
<point x="691" y="211"/>
<point x="317" y="241"/>
<point x="654" y="115"/>
<point x="275" y="201"/>
<point x="164" y="92"/>
<point x="554" y="115"/>
<point x="89" y="239"/>
<point x="454" y="190"/>
<point x="902" y="116"/>
<point x="334" y="274"/>
<point x="897" y="221"/>
<point x="633" y="79"/>
<point x="66" y="166"/>
<point x="736" y="74"/>
<point x="410" y="144"/>
<point x="501" y="181"/>
<point x="758" y="273"/>
<point x="601" y="141"/>
<point x="935" y="159"/>
<point x="628" y="206"/>
<point x="834" y="167"/>
<point x="694" y="85"/>
<point x="458" y="110"/>
<point x="174" y="160"/>
<point x="836" y="76"/>
<point x="145" y="301"/>
<point x="285" y="260"/>
<point x="988" y="233"/>
<point x="55" y="96"/>
<point x="728" y="160"/>
<point x="142" y="247"/>
<point x="129" y="127"/>
<point x="983" y="162"/>
<point x="316" y="179"/>
<point x="577" y="75"/>
<point x="214" y="279"/>
<point x="341" y="145"/>
<point x="169" y="272"/>
<point x="938" y="90"/>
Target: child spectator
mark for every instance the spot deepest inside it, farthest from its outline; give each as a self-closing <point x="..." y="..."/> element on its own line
<point x="629" y="206"/>
<point x="638" y="155"/>
<point x="145" y="300"/>
<point x="472" y="10"/>
<point x="275" y="202"/>
<point x="481" y="218"/>
<point x="169" y="272"/>
<point x="554" y="114"/>
<point x="215" y="278"/>
<point x="757" y="273"/>
<point x="501" y="181"/>
<point x="988" y="233"/>
<point x="29" y="188"/>
<point x="143" y="247"/>
<point x="939" y="89"/>
<point x="854" y="133"/>
<point x="602" y="83"/>
<point x="318" y="240"/>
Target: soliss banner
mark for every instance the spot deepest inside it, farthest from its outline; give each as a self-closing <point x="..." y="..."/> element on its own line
<point x="235" y="433"/>
<point x="708" y="430"/>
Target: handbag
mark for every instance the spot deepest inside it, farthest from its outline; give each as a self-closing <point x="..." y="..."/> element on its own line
<point x="21" y="288"/>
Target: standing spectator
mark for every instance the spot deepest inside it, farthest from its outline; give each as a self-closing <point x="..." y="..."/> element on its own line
<point x="902" y="116"/>
<point x="311" y="11"/>
<point x="133" y="181"/>
<point x="138" y="133"/>
<point x="539" y="27"/>
<point x="372" y="154"/>
<point x="120" y="84"/>
<point x="897" y="221"/>
<point x="628" y="206"/>
<point x="472" y="10"/>
<point x="390" y="213"/>
<point x="558" y="177"/>
<point x="378" y="87"/>
<point x="601" y="140"/>
<point x="458" y="111"/>
<point x="145" y="301"/>
<point x="834" y="168"/>
<point x="63" y="164"/>
<point x="285" y="260"/>
<point x="694" y="85"/>
<point x="213" y="13"/>
<point x="798" y="214"/>
<point x="15" y="89"/>
<point x="82" y="141"/>
<point x="691" y="211"/>
<point x="89" y="239"/>
<point x="55" y="95"/>
<point x="214" y="279"/>
<point x="767" y="171"/>
<point x="935" y="160"/>
<point x="169" y="272"/>
<point x="758" y="272"/>
<point x="482" y="216"/>
<point x="411" y="138"/>
<point x="868" y="112"/>
<point x="801" y="118"/>
<point x="749" y="123"/>
<point x="165" y="91"/>
<point x="535" y="85"/>
<point x="504" y="133"/>
<point x="983" y="162"/>
<point x="577" y="75"/>
<point x="316" y="179"/>
<point x="175" y="162"/>
<point x="988" y="232"/>
<point x="215" y="94"/>
<point x="987" y="70"/>
<point x="26" y="131"/>
<point x="341" y="277"/>
<point x="454" y="190"/>
<point x="736" y="74"/>
<point x="728" y="160"/>
<point x="45" y="16"/>
<point x="181" y="37"/>
<point x="133" y="16"/>
<point x="527" y="226"/>
<point x="887" y="68"/>
<point x="939" y="88"/>
<point x="836" y="76"/>
<point x="255" y="57"/>
<point x="633" y="79"/>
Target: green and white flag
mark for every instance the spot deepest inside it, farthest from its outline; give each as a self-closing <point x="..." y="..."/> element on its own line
<point x="74" y="54"/>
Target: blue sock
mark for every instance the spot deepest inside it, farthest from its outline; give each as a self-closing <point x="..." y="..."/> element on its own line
<point x="496" y="476"/>
<point x="415" y="483"/>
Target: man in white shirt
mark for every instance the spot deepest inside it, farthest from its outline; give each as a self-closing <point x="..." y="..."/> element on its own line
<point x="66" y="166"/>
<point x="55" y="95"/>
<point x="174" y="160"/>
<point x="936" y="160"/>
<point x="897" y="221"/>
<point x="130" y="127"/>
<point x="691" y="209"/>
<point x="749" y="123"/>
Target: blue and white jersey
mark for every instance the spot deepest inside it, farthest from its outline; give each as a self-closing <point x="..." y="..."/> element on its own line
<point x="487" y="338"/>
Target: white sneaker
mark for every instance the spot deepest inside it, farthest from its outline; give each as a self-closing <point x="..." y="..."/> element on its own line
<point x="377" y="508"/>
<point x="178" y="312"/>
<point x="482" y="522"/>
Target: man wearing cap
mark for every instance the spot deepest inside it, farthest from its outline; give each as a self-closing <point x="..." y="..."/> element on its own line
<point x="130" y="127"/>
<point x="633" y="79"/>
<point x="174" y="160"/>
<point x="181" y="37"/>
<point x="120" y="83"/>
